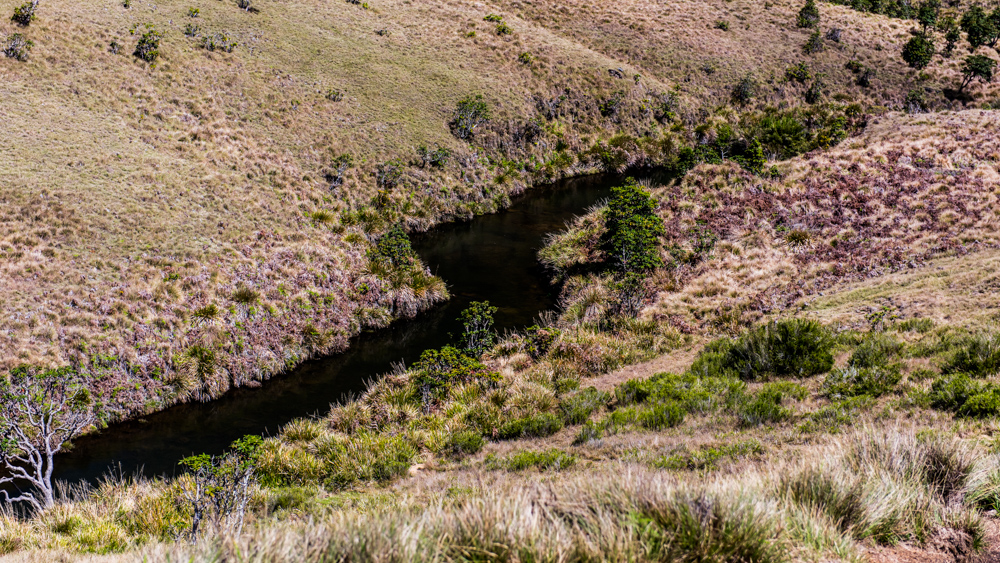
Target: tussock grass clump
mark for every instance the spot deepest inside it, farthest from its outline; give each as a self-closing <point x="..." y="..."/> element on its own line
<point x="707" y="458"/>
<point x="578" y="407"/>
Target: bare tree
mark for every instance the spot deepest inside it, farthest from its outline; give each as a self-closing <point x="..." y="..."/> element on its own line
<point x="40" y="411"/>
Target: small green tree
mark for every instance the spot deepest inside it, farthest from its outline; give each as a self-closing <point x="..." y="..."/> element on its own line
<point x="479" y="335"/>
<point x="952" y="35"/>
<point x="814" y="44"/>
<point x="927" y="13"/>
<point x="978" y="27"/>
<point x="470" y="113"/>
<point x="755" y="161"/>
<point x="632" y="239"/>
<point x="808" y="15"/>
<point x="977" y="66"/>
<point x="148" y="47"/>
<point x="219" y="487"/>
<point x="918" y="51"/>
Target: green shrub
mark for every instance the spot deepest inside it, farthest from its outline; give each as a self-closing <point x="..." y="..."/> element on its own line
<point x="148" y="47"/>
<point x="808" y="15"/>
<point x="470" y="113"/>
<point x="763" y="407"/>
<point x="539" y="340"/>
<point x="478" y="335"/>
<point x="722" y="24"/>
<point x="436" y="158"/>
<point x="918" y="51"/>
<point x="25" y="13"/>
<point x="393" y="249"/>
<point x="981" y="405"/>
<point x="691" y="392"/>
<point x="17" y="47"/>
<point x="660" y="416"/>
<point x="493" y="18"/>
<point x="577" y="408"/>
<point x="795" y="347"/>
<point x="814" y="44"/>
<point x="438" y="370"/>
<point x="877" y="350"/>
<point x="977" y="66"/>
<point x="503" y="28"/>
<point x="978" y="356"/>
<point x="633" y="229"/>
<point x="744" y="91"/>
<point x="466" y="442"/>
<point x="535" y="426"/>
<point x="798" y="73"/>
<point x="950" y="393"/>
<point x="854" y="381"/>
<point x="550" y="460"/>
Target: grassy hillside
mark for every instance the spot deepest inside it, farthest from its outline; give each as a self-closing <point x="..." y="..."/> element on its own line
<point x="138" y="196"/>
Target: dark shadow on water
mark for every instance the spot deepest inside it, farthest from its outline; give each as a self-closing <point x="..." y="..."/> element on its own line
<point x="489" y="258"/>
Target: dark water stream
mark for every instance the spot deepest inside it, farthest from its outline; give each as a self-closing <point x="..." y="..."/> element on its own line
<point x="492" y="257"/>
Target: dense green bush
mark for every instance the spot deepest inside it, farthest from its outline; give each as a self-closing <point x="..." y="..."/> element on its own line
<point x="977" y="355"/>
<point x="918" y="51"/>
<point x="633" y="229"/>
<point x="148" y="47"/>
<point x="814" y="44"/>
<point x="876" y="350"/>
<point x="744" y="91"/>
<point x="393" y="249"/>
<point x="470" y="113"/>
<point x="25" y="13"/>
<point x="979" y="27"/>
<point x="466" y="442"/>
<point x="660" y="416"/>
<point x="534" y="426"/>
<point x="795" y="347"/>
<point x="439" y="370"/>
<point x="577" y="408"/>
<point x="478" y="335"/>
<point x="763" y="407"/>
<point x="798" y="73"/>
<point x="808" y="15"/>
<point x="854" y="381"/>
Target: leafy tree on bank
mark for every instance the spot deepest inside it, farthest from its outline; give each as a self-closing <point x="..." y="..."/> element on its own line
<point x="927" y="14"/>
<point x="632" y="239"/>
<point x="918" y="51"/>
<point x="979" y="27"/>
<point x="40" y="412"/>
<point x="977" y="66"/>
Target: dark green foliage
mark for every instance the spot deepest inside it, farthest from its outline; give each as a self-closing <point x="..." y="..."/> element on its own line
<point x="977" y="355"/>
<point x="927" y="13"/>
<point x="798" y="73"/>
<point x="478" y="336"/>
<point x="965" y="397"/>
<point x="763" y="407"/>
<point x="393" y="249"/>
<point x="744" y="91"/>
<point x="977" y="66"/>
<point x="438" y="370"/>
<point x="17" y="47"/>
<point x="25" y="13"/>
<point x="660" y="416"/>
<point x="535" y="426"/>
<point x="815" y="92"/>
<point x="493" y="18"/>
<point x="814" y="44"/>
<point x="853" y="381"/>
<point x="148" y="47"/>
<point x="982" y="405"/>
<point x="918" y="51"/>
<point x="630" y="294"/>
<point x="795" y="347"/>
<point x="609" y="106"/>
<point x="466" y="442"/>
<point x="979" y="27"/>
<point x="503" y="28"/>
<point x="633" y="229"/>
<point x="470" y="113"/>
<point x="550" y="460"/>
<point x="755" y="162"/>
<point x="808" y="15"/>
<point x="877" y="350"/>
<point x="951" y="38"/>
<point x="577" y="408"/>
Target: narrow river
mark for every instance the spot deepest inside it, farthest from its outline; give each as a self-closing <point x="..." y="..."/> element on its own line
<point x="489" y="258"/>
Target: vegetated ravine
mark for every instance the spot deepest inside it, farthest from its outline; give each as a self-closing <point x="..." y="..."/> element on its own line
<point x="492" y="257"/>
